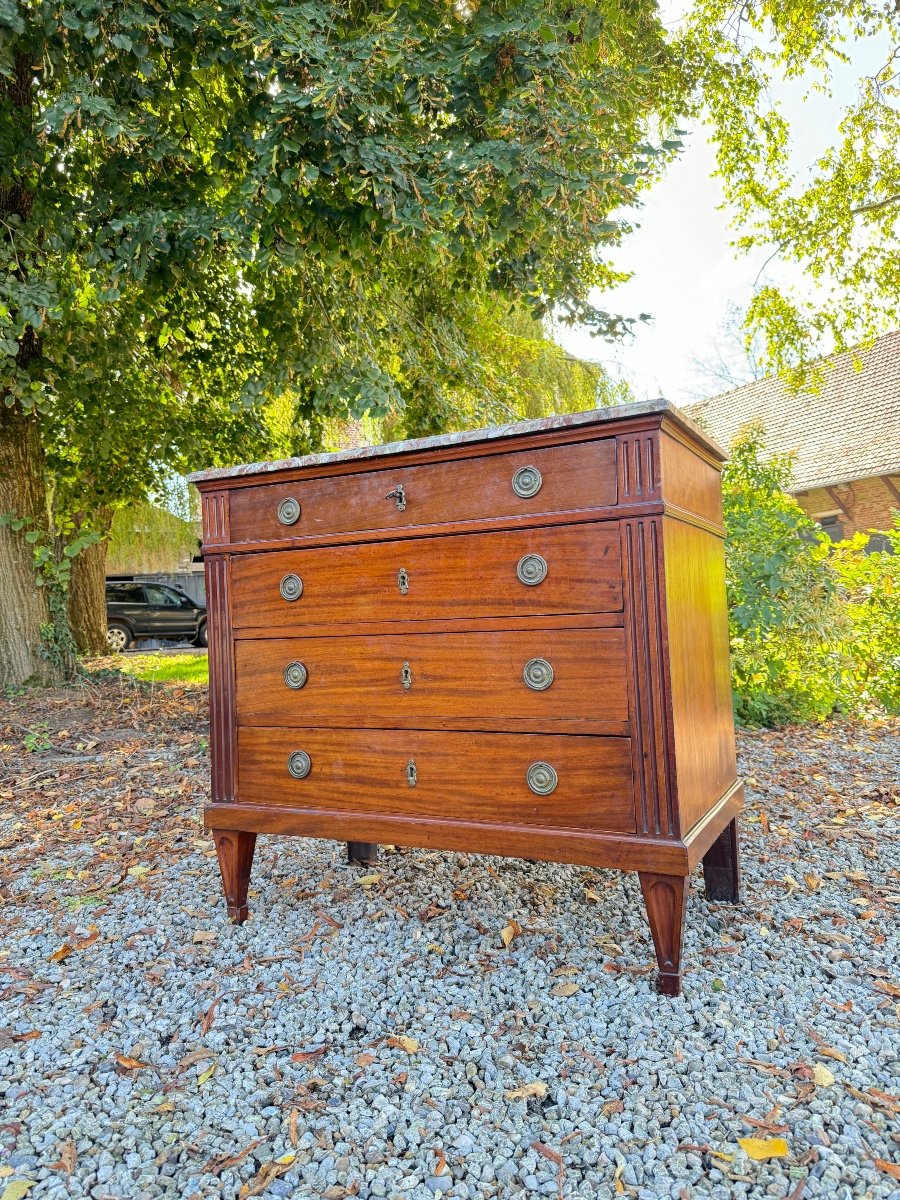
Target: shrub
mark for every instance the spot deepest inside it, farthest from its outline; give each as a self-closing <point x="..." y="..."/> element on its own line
<point x="788" y="627"/>
<point x="870" y="593"/>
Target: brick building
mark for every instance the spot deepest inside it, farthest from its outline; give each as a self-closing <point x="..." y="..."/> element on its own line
<point x="845" y="438"/>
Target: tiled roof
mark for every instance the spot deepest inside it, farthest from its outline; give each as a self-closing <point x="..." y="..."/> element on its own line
<point x="849" y="430"/>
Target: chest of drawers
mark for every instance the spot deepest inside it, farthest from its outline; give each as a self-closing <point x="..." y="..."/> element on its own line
<point x="512" y="642"/>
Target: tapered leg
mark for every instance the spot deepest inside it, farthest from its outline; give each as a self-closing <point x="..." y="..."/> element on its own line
<point x="722" y="866"/>
<point x="666" y="899"/>
<point x="364" y="854"/>
<point x="235" y="850"/>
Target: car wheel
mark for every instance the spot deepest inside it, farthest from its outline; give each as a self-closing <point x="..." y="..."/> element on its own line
<point x="118" y="636"/>
<point x="202" y="635"/>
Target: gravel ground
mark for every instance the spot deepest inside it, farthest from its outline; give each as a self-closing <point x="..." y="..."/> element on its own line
<point x="368" y="1034"/>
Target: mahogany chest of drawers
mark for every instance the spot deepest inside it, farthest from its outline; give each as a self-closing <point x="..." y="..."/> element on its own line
<point x="512" y="641"/>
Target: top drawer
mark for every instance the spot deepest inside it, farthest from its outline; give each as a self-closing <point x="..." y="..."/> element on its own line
<point x="548" y="480"/>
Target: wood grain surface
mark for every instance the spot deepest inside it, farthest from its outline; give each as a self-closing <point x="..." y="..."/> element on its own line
<point x="464" y="776"/>
<point x="468" y="575"/>
<point x="438" y="680"/>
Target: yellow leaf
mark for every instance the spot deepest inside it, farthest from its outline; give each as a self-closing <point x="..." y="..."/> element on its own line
<point x="63" y="952"/>
<point x="813" y="882"/>
<point x="207" y="1074"/>
<point x="565" y="989"/>
<point x="822" y="1077"/>
<point x="722" y="1157"/>
<point x="17" y="1189"/>
<point x="409" y="1044"/>
<point x="617" y="1179"/>
<point x="590" y="894"/>
<point x="6" y="1171"/>
<point x="286" y="1158"/>
<point x="77" y="823"/>
<point x="537" y="1088"/>
<point x="369" y="880"/>
<point x="139" y="871"/>
<point x="763" y="1148"/>
<point x="510" y="931"/>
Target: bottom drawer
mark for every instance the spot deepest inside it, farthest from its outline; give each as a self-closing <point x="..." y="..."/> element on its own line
<point x="580" y="782"/>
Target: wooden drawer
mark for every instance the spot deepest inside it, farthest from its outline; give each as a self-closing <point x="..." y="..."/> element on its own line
<point x="467" y="575"/>
<point x="469" y="777"/>
<point x="579" y="476"/>
<point x="437" y="681"/>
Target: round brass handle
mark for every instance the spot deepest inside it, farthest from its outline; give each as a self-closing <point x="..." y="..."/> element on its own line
<point x="541" y="778"/>
<point x="299" y="764"/>
<point x="291" y="587"/>
<point x="289" y="511"/>
<point x="532" y="569"/>
<point x="538" y="674"/>
<point x="295" y="675"/>
<point x="527" y="482"/>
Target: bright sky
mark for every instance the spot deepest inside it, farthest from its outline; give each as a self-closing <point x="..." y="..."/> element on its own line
<point x="685" y="272"/>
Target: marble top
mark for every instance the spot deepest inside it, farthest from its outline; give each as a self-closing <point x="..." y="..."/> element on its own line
<point x="593" y="416"/>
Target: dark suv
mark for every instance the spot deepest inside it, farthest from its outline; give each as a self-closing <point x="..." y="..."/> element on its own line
<point x="151" y="610"/>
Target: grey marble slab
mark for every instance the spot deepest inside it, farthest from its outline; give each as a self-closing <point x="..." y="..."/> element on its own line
<point x="593" y="416"/>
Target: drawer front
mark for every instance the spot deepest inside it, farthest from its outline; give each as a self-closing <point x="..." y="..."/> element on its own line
<point x="468" y="575"/>
<point x="469" y="777"/>
<point x="518" y="679"/>
<point x="553" y="479"/>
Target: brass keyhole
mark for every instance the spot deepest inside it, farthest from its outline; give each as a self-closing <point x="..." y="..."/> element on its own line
<point x="403" y="581"/>
<point x="398" y="494"/>
<point x="406" y="676"/>
<point x="411" y="777"/>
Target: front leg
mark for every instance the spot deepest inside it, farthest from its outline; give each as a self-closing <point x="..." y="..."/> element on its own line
<point x="722" y="866"/>
<point x="362" y="854"/>
<point x="235" y="850"/>
<point x="666" y="899"/>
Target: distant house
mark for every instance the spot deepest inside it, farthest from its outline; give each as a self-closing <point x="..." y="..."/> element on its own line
<point x="846" y="438"/>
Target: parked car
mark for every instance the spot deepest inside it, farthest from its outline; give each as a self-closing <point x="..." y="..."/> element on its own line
<point x="151" y="610"/>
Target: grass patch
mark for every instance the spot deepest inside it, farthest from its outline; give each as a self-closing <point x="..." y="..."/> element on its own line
<point x="162" y="668"/>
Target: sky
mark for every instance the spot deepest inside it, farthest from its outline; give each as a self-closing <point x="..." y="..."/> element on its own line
<point x="685" y="272"/>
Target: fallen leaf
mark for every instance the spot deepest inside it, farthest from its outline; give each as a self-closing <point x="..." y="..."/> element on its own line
<point x="369" y="880"/>
<point x="441" y="1163"/>
<point x="891" y="1168"/>
<point x="548" y="1152"/>
<point x="63" y="952"/>
<point x="824" y="1049"/>
<point x="590" y="894"/>
<point x="68" y="1157"/>
<point x="409" y="1044"/>
<point x="308" y="1055"/>
<point x="130" y="1064"/>
<point x="822" y="1077"/>
<point x="207" y="1075"/>
<point x="139" y="870"/>
<point x="760" y="1149"/>
<point x="509" y="932"/>
<point x="565" y="989"/>
<point x="537" y="1088"/>
<point x="364" y="1060"/>
<point x="294" y="1132"/>
<point x="17" y="1189"/>
<point x="813" y="882"/>
<point x="266" y="1175"/>
<point x="889" y="989"/>
<point x="216" y="1166"/>
<point x="209" y="1016"/>
<point x="613" y="1106"/>
<point x="617" y="1179"/>
<point x="204" y="937"/>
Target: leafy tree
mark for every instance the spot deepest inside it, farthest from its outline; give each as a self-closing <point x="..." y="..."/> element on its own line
<point x="837" y="220"/>
<point x="358" y="171"/>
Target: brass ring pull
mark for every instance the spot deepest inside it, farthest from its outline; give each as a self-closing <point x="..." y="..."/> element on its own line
<point x="289" y="511"/>
<point x="541" y="778"/>
<point x="538" y="674"/>
<point x="299" y="764"/>
<point x="291" y="587"/>
<point x="295" y="675"/>
<point x="398" y="494"/>
<point x="531" y="569"/>
<point x="527" y="482"/>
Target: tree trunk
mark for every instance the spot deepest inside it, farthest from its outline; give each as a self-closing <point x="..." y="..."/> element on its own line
<point x="23" y="605"/>
<point x="87" y="591"/>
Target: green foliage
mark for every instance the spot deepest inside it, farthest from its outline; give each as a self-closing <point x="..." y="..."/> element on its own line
<point x="784" y="610"/>
<point x="836" y="218"/>
<point x="145" y="537"/>
<point x="870" y="589"/>
<point x="814" y="627"/>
